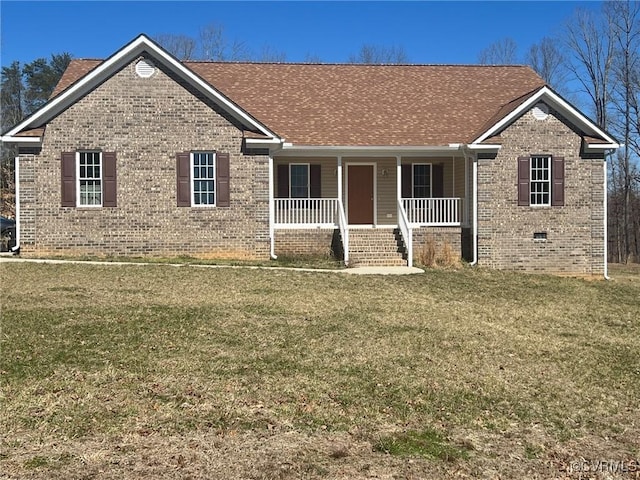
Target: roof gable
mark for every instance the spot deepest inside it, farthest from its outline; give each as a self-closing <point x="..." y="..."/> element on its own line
<point x="84" y="76"/>
<point x="595" y="137"/>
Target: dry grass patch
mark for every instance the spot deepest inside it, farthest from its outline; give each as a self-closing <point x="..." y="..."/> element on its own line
<point x="165" y="372"/>
<point x="431" y="255"/>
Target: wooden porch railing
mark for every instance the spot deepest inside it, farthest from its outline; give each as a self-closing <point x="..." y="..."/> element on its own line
<point x="433" y="211"/>
<point x="306" y="212"/>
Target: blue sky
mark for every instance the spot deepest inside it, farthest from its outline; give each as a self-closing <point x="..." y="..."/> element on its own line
<point x="430" y="32"/>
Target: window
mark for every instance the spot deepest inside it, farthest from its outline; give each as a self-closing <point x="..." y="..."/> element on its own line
<point x="90" y="179"/>
<point x="299" y="175"/>
<point x="541" y="181"/>
<point x="298" y="180"/>
<point x="203" y="178"/>
<point x="421" y="180"/>
<point x="540" y="184"/>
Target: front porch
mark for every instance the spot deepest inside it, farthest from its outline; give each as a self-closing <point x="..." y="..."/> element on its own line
<point x="337" y="196"/>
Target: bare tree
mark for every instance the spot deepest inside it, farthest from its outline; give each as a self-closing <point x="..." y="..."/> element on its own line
<point x="589" y="41"/>
<point x="213" y="46"/>
<point x="269" y="55"/>
<point x="605" y="60"/>
<point x="11" y="96"/>
<point x="377" y="54"/>
<point x="547" y="59"/>
<point x="312" y="58"/>
<point x="624" y="19"/>
<point x="502" y="52"/>
<point x="182" y="47"/>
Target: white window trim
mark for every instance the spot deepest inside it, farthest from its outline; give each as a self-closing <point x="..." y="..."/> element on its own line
<point x="78" y="180"/>
<point x="192" y="180"/>
<point x="548" y="181"/>
<point x="308" y="165"/>
<point x="413" y="177"/>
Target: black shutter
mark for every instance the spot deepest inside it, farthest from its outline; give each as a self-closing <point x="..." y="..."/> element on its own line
<point x="315" y="173"/>
<point x="68" y="177"/>
<point x="557" y="187"/>
<point x="222" y="180"/>
<point x="283" y="181"/>
<point x="183" y="165"/>
<point x="523" y="181"/>
<point x="406" y="180"/>
<point x="109" y="182"/>
<point x="437" y="181"/>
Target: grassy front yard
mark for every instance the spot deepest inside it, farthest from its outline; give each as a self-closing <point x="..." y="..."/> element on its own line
<point x="168" y="372"/>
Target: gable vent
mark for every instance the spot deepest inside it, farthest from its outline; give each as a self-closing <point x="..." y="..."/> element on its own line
<point x="540" y="111"/>
<point x="144" y="68"/>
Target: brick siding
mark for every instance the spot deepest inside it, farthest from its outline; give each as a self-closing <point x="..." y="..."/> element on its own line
<point x="317" y="241"/>
<point x="146" y="121"/>
<point x="575" y="232"/>
<point x="439" y="237"/>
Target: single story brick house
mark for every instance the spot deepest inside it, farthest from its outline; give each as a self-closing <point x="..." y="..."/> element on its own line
<point x="143" y="155"/>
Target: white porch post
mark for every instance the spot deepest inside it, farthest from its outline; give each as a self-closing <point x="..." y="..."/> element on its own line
<point x="398" y="180"/>
<point x="272" y="239"/>
<point x="339" y="173"/>
<point x="453" y="176"/>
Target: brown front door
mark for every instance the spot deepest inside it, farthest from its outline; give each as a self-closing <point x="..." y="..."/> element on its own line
<point x="360" y="194"/>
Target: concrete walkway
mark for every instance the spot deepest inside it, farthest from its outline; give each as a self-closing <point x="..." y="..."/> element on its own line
<point x="382" y="270"/>
<point x="349" y="271"/>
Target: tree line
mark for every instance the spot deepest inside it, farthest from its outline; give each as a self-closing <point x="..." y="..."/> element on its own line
<point x="597" y="57"/>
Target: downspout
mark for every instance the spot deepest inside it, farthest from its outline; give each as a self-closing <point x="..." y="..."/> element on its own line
<point x="606" y="221"/>
<point x="16" y="248"/>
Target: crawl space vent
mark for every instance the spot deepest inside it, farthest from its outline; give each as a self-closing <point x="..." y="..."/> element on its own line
<point x="144" y="68"/>
<point x="540" y="111"/>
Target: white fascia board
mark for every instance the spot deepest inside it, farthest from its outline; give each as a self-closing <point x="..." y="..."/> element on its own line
<point x="263" y="142"/>
<point x="546" y="94"/>
<point x="289" y="149"/>
<point x="10" y="139"/>
<point x="483" y="146"/>
<point x="118" y="60"/>
<point x="602" y="146"/>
